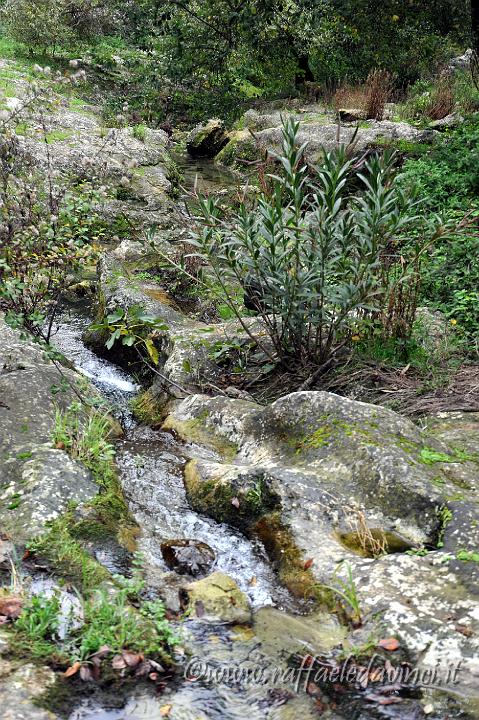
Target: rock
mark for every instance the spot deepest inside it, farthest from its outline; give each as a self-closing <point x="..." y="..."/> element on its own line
<point x="314" y="466"/>
<point x="461" y="62"/>
<point x="7" y="552"/>
<point x="241" y="147"/>
<point x="79" y="147"/>
<point x="188" y="557"/>
<point x="130" y="250"/>
<point x="350" y="115"/>
<point x="321" y="137"/>
<point x="38" y="481"/>
<point x="20" y="690"/>
<point x="184" y="344"/>
<point x="425" y="604"/>
<point x="206" y="140"/>
<point x="432" y="328"/>
<point x="217" y="598"/>
<point x="447" y="123"/>
<point x="49" y="481"/>
<point x="308" y="468"/>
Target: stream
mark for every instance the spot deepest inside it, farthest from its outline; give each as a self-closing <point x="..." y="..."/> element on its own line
<point x="150" y="463"/>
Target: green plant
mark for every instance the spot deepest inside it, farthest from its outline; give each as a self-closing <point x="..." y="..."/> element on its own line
<point x="467" y="556"/>
<point x="309" y="254"/>
<point x="110" y="620"/>
<point x="139" y="132"/>
<point x="444" y="516"/>
<point x="134" y="327"/>
<point x="67" y="556"/>
<point x="38" y="625"/>
<point x="346" y="591"/>
<point x="85" y="435"/>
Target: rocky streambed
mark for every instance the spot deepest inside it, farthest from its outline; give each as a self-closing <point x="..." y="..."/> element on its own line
<point x="313" y="527"/>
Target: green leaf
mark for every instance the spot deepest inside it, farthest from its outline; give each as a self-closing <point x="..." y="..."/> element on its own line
<point x="152" y="351"/>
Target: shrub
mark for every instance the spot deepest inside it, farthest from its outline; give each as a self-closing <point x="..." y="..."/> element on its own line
<point x="378" y="90"/>
<point x="449" y="176"/>
<point x="442" y="100"/>
<point x="44" y="241"/>
<point x="39" y="24"/>
<point x="312" y="258"/>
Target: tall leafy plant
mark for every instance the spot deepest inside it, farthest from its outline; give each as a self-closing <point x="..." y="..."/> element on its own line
<point x="311" y="254"/>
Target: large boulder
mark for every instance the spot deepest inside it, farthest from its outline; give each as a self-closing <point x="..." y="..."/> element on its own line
<point x="206" y="140"/>
<point x="322" y="136"/>
<point x="321" y="479"/>
<point x="38" y="481"/>
<point x="461" y="62"/>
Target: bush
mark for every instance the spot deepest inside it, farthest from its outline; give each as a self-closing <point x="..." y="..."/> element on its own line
<point x="449" y="176"/>
<point x="44" y="241"/>
<point x="39" y="24"/>
<point x="312" y="258"/>
<point x="378" y="90"/>
<point x="448" y="179"/>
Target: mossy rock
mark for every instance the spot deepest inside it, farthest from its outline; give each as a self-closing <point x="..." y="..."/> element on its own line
<point x="217" y="598"/>
<point x="241" y="146"/>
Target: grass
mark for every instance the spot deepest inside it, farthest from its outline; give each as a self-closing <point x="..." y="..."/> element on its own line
<point x="346" y="592"/>
<point x="64" y="552"/>
<point x="110" y="625"/>
<point x="139" y="132"/>
<point x="58" y="136"/>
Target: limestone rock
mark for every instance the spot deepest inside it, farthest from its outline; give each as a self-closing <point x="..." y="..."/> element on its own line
<point x="309" y="463"/>
<point x="461" y="62"/>
<point x="351" y="115"/>
<point x="447" y="123"/>
<point x="217" y="598"/>
<point x="20" y="689"/>
<point x="206" y="140"/>
<point x="37" y="481"/>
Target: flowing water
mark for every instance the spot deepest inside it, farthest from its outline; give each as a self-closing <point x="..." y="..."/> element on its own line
<point x="151" y="464"/>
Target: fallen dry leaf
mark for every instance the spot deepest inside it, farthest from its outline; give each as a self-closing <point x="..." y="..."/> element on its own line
<point x="72" y="670"/>
<point x="252" y="582"/>
<point x="383" y="700"/>
<point x="132" y="659"/>
<point x="165" y="710"/>
<point x="118" y="663"/>
<point x="464" y="630"/>
<point x="11" y="607"/>
<point x="308" y="563"/>
<point x="390" y="644"/>
<point x="235" y="502"/>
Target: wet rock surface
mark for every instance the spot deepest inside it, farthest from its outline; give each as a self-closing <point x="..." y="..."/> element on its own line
<point x="206" y="140"/>
<point x="188" y="557"/>
<point x="217" y="599"/>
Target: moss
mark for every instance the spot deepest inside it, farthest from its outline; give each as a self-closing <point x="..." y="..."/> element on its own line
<point x="58" y="136"/>
<point x="148" y="409"/>
<point x="241" y="146"/>
<point x="197" y="430"/>
<point x="239" y="504"/>
<point x="288" y="559"/>
<point x="332" y="429"/>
